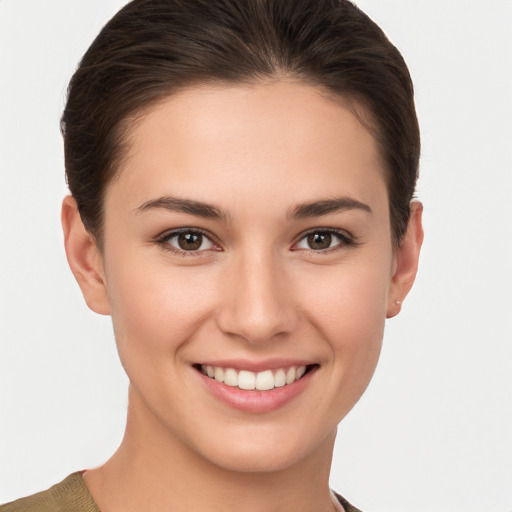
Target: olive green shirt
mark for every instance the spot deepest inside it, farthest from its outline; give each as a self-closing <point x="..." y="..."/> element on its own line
<point x="72" y="495"/>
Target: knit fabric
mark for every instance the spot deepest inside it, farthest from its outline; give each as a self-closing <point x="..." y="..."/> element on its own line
<point x="72" y="495"/>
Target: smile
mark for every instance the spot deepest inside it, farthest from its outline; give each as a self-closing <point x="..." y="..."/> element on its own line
<point x="261" y="381"/>
<point x="263" y="388"/>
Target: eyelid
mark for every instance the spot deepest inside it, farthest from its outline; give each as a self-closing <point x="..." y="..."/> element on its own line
<point x="163" y="241"/>
<point x="347" y="240"/>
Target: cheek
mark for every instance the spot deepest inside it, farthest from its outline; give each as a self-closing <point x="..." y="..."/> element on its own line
<point x="348" y="308"/>
<point x="349" y="300"/>
<point x="155" y="308"/>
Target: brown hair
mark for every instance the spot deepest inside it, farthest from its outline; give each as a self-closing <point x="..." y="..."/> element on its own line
<point x="152" y="48"/>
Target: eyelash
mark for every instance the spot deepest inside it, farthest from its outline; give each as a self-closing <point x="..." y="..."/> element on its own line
<point x="164" y="241"/>
<point x="345" y="240"/>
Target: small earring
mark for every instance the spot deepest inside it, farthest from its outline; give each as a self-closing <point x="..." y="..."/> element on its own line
<point x="398" y="302"/>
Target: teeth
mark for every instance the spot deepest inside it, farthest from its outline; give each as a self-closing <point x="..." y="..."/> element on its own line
<point x="230" y="377"/>
<point x="290" y="375"/>
<point x="219" y="374"/>
<point x="246" y="380"/>
<point x="265" y="380"/>
<point x="279" y="378"/>
<point x="262" y="381"/>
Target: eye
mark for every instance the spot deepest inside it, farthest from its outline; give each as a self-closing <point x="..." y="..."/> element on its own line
<point x="187" y="240"/>
<point x="323" y="240"/>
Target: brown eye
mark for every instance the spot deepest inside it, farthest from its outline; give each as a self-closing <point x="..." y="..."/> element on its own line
<point x="319" y="241"/>
<point x="189" y="241"/>
<point x="323" y="241"/>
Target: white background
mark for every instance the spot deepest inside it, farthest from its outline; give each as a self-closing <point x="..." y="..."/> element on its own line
<point x="434" y="431"/>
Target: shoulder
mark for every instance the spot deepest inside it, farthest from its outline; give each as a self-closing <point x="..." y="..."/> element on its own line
<point x="346" y="505"/>
<point x="70" y="494"/>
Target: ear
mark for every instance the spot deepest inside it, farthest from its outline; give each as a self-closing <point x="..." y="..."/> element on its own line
<point x="406" y="261"/>
<point x="84" y="258"/>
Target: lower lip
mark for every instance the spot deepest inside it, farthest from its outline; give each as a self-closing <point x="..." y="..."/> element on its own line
<point x="255" y="401"/>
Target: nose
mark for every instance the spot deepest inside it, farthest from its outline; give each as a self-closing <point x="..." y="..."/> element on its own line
<point x="258" y="300"/>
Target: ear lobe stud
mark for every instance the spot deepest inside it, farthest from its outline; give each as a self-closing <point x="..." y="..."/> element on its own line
<point x="393" y="311"/>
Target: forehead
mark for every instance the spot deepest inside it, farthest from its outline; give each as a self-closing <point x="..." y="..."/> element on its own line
<point x="260" y="139"/>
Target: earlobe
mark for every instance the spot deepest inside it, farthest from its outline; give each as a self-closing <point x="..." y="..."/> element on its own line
<point x="406" y="261"/>
<point x="84" y="258"/>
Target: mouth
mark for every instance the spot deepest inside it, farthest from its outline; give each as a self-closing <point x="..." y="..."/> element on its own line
<point x="265" y="380"/>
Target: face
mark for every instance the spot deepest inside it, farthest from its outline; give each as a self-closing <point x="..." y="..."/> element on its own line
<point x="247" y="240"/>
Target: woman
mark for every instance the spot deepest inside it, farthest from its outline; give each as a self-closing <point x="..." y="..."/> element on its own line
<point x="241" y="178"/>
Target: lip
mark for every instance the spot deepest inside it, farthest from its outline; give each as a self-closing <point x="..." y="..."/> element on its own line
<point x="257" y="366"/>
<point x="254" y="401"/>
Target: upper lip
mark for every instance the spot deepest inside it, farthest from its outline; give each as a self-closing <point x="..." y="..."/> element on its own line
<point x="256" y="366"/>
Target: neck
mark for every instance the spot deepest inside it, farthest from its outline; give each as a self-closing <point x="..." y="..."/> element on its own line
<point x="154" y="471"/>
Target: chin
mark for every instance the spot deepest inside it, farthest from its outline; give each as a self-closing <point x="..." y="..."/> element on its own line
<point x="266" y="451"/>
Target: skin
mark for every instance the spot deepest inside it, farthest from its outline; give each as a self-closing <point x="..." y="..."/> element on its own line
<point x="258" y="291"/>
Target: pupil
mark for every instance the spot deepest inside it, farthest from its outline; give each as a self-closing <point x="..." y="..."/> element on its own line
<point x="319" y="240"/>
<point x="190" y="241"/>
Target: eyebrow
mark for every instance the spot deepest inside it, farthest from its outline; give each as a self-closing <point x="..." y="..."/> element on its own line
<point x="327" y="206"/>
<point x="175" y="204"/>
<point x="209" y="211"/>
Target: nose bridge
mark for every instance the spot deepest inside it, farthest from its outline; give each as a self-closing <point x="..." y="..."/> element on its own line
<point x="257" y="302"/>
